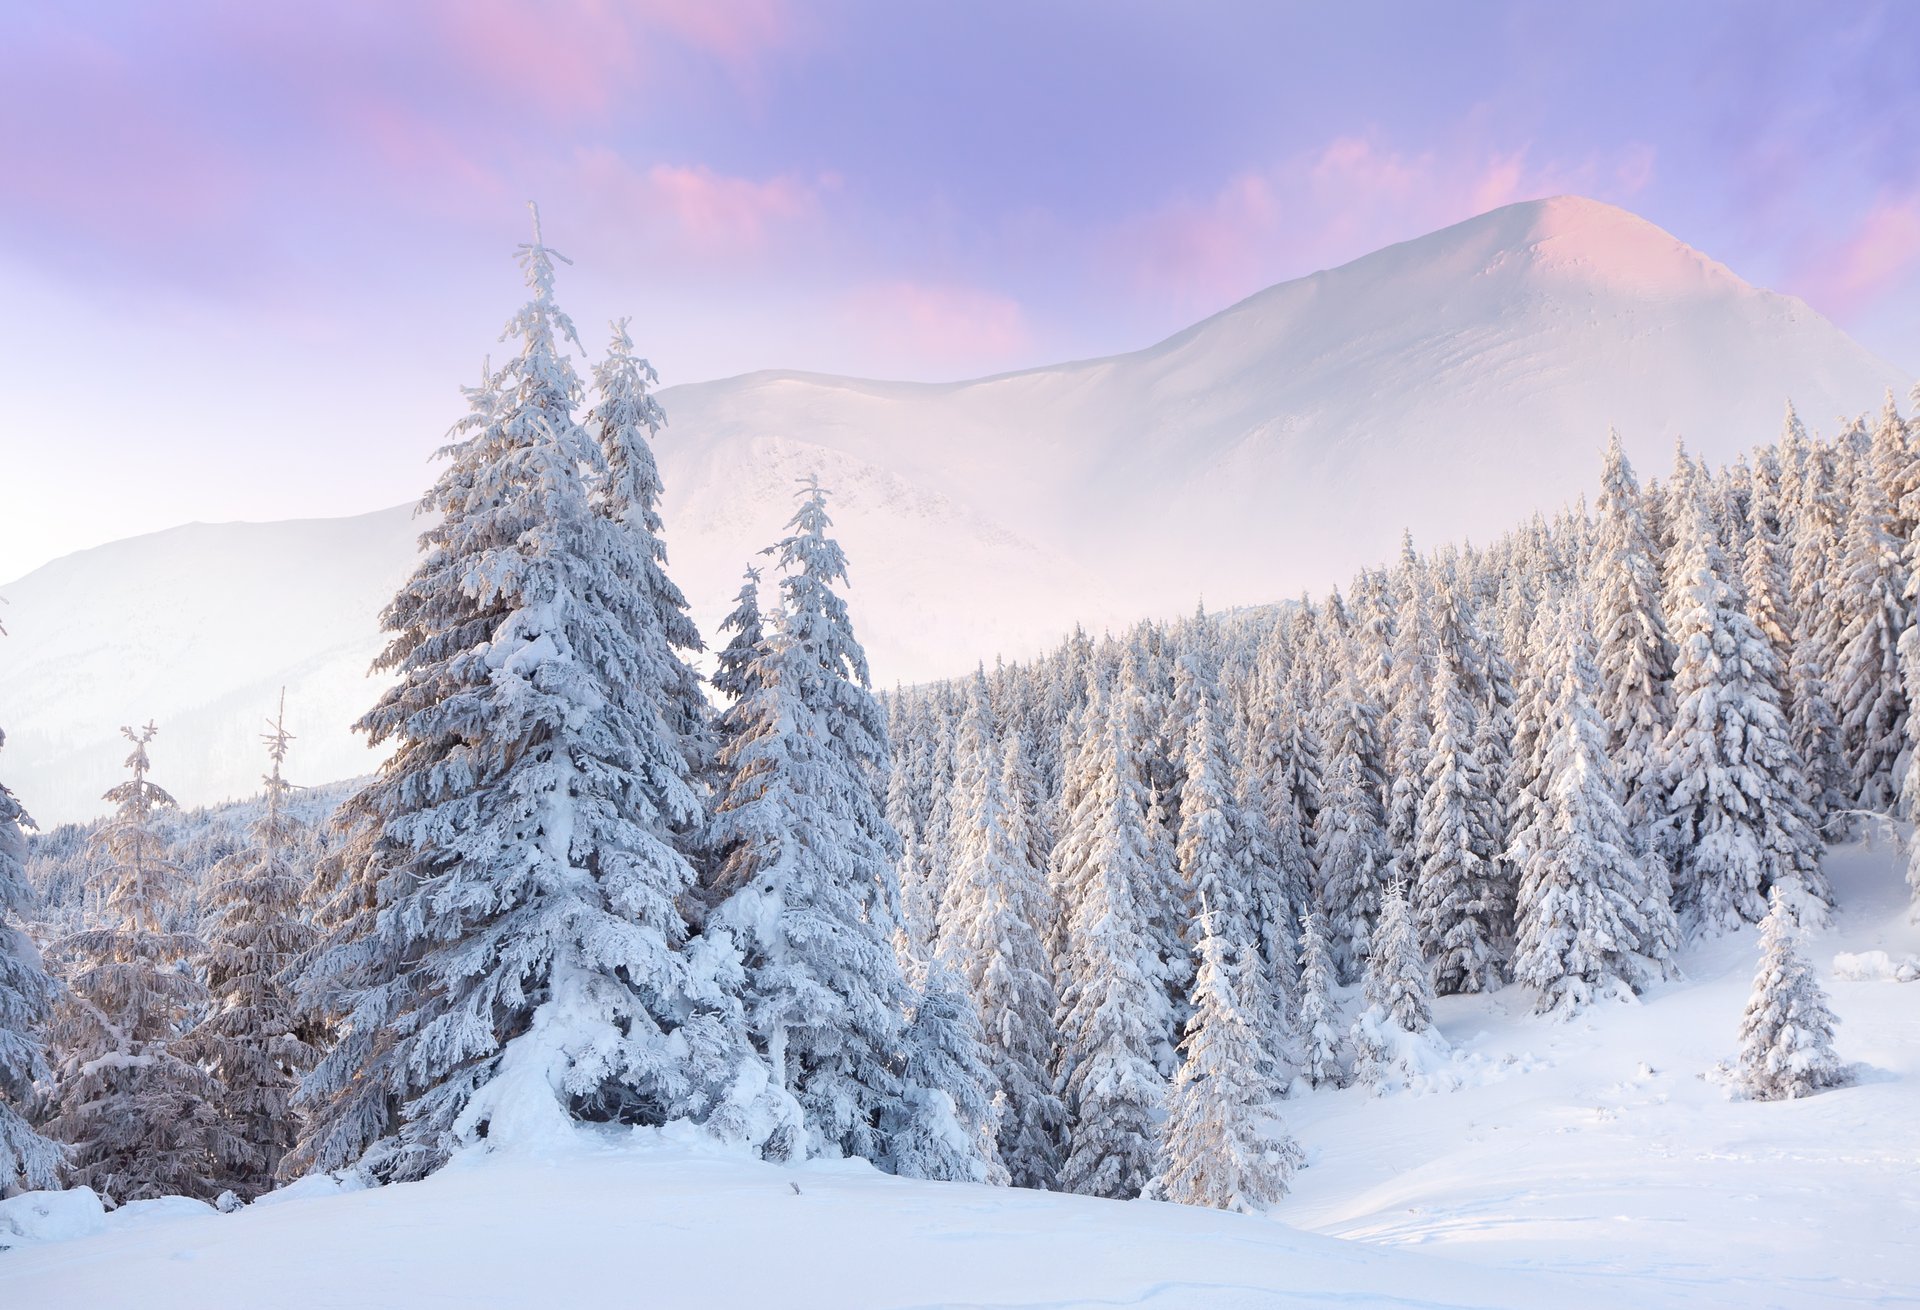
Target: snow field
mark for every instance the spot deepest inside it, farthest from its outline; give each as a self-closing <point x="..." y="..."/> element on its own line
<point x="1592" y="1162"/>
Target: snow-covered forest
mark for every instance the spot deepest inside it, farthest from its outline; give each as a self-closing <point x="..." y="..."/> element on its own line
<point x="1085" y="923"/>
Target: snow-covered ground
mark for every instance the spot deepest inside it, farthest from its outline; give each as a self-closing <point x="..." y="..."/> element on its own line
<point x="1591" y="1163"/>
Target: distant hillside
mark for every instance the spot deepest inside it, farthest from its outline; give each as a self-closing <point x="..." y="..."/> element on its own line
<point x="1450" y="384"/>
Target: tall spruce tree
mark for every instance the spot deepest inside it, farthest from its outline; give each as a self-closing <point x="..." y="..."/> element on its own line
<point x="1730" y="766"/>
<point x="139" y="1111"/>
<point x="991" y="928"/>
<point x="1351" y="828"/>
<point x="807" y="890"/>
<point x="1866" y="686"/>
<point x="1586" y="909"/>
<point x="1635" y="653"/>
<point x="527" y="828"/>
<point x="946" y="1123"/>
<point x="625" y="421"/>
<point x="1223" y="1144"/>
<point x="1323" y="1043"/>
<point x="1113" y="1004"/>
<point x="256" y="1040"/>
<point x="1458" y="908"/>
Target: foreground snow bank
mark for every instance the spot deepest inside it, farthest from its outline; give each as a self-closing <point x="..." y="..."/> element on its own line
<point x="657" y="1222"/>
<point x="50" y="1217"/>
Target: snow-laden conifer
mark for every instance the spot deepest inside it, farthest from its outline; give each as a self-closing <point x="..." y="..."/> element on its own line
<point x="1458" y="907"/>
<point x="945" y="1127"/>
<point x="1350" y="830"/>
<point x="625" y="421"/>
<point x="1814" y="591"/>
<point x="1634" y="651"/>
<point x="1113" y="1003"/>
<point x="1409" y="708"/>
<point x="27" y="1160"/>
<point x="991" y="938"/>
<point x="1867" y="691"/>
<point x="139" y="1111"/>
<point x="807" y="891"/>
<point x="1394" y="1040"/>
<point x="1586" y="908"/>
<point x="746" y="642"/>
<point x="1323" y="1041"/>
<point x="1786" y="1034"/>
<point x="257" y="1041"/>
<point x="1224" y="1145"/>
<point x="1730" y="767"/>
<point x="526" y="954"/>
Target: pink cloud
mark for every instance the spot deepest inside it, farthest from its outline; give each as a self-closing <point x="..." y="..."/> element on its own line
<point x="575" y="57"/>
<point x="1876" y="259"/>
<point x="944" y="325"/>
<point x="699" y="211"/>
<point x="1352" y="195"/>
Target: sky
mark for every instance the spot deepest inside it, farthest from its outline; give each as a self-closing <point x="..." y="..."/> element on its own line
<point x="249" y="252"/>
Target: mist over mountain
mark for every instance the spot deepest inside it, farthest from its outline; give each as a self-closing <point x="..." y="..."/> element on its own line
<point x="1450" y="385"/>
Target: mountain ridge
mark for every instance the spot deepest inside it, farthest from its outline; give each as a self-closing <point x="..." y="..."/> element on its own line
<point x="1450" y="384"/>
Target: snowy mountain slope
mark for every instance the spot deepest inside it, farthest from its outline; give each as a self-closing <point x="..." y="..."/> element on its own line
<point x="1451" y="384"/>
<point x="1582" y="1164"/>
<point x="197" y="628"/>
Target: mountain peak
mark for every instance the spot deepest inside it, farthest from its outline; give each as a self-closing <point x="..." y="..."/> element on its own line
<point x="1599" y="242"/>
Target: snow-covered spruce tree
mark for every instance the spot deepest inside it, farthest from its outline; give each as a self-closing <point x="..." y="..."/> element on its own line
<point x="255" y="1039"/>
<point x="1866" y="687"/>
<point x="1207" y="840"/>
<point x="806" y="890"/>
<point x="919" y="908"/>
<point x="1269" y="860"/>
<point x="1763" y="569"/>
<point x="625" y="421"/>
<point x="28" y="1161"/>
<point x="349" y="987"/>
<point x="1409" y="708"/>
<point x="1223" y="1143"/>
<point x="1113" y="1005"/>
<point x="733" y="666"/>
<point x="1458" y="908"/>
<point x="946" y="1119"/>
<point x="1351" y="827"/>
<point x="1285" y="760"/>
<point x="1323" y="1042"/>
<point x="991" y="927"/>
<point x="1164" y="897"/>
<point x="1730" y="766"/>
<point x="1815" y="550"/>
<point x="141" y="1115"/>
<point x="1394" y="1040"/>
<point x="1786" y="1034"/>
<point x="525" y="951"/>
<point x="1583" y="892"/>
<point x="1635" y="653"/>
